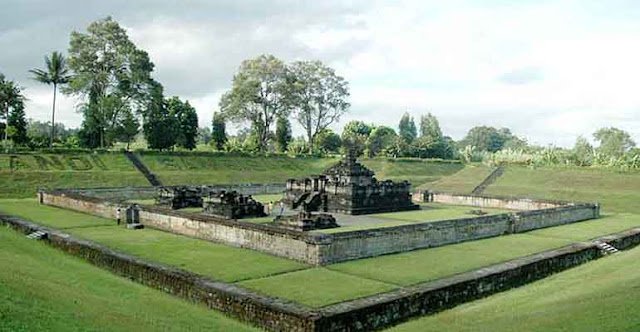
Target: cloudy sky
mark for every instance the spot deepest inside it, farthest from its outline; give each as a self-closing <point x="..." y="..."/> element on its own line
<point x="549" y="70"/>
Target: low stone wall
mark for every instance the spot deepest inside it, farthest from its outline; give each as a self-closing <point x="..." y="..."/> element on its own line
<point x="509" y="203"/>
<point x="365" y="314"/>
<point x="119" y="193"/>
<point x="323" y="249"/>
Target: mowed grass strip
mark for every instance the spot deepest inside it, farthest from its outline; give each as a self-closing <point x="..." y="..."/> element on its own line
<point x="42" y="289"/>
<point x="586" y="230"/>
<point x="463" y="181"/>
<point x="430" y="264"/>
<point x="317" y="287"/>
<point x="214" y="260"/>
<point x="435" y="211"/>
<point x="598" y="296"/>
<point x="617" y="192"/>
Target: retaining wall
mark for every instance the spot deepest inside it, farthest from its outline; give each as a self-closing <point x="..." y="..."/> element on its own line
<point x="322" y="249"/>
<point x="509" y="203"/>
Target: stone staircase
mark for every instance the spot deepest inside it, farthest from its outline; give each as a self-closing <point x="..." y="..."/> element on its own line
<point x="488" y="181"/>
<point x="152" y="178"/>
<point x="37" y="235"/>
<point x="606" y="248"/>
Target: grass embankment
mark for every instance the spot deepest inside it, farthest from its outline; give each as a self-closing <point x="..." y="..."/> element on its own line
<point x="617" y="192"/>
<point x="23" y="174"/>
<point x="216" y="169"/>
<point x="42" y="289"/>
<point x="598" y="296"/>
<point x="462" y="182"/>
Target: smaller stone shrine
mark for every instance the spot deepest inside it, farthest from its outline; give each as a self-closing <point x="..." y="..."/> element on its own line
<point x="307" y="220"/>
<point x="179" y="197"/>
<point x="232" y="205"/>
<point x="349" y="187"/>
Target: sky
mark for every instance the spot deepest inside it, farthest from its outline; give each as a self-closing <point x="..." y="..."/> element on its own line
<point x="548" y="70"/>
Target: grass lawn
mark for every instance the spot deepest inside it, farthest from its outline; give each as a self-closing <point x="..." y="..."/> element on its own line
<point x="598" y="296"/>
<point x="429" y="264"/>
<point x="463" y="181"/>
<point x="436" y="211"/>
<point x="207" y="258"/>
<point x="42" y="289"/>
<point x="617" y="192"/>
<point x="317" y="287"/>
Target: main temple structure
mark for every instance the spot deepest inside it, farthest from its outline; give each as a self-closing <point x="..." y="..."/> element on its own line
<point x="349" y="187"/>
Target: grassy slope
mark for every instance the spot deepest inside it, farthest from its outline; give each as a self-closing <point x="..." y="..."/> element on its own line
<point x="617" y="192"/>
<point x="174" y="169"/>
<point x="598" y="296"/>
<point x="38" y="293"/>
<point x="27" y="175"/>
<point x="463" y="181"/>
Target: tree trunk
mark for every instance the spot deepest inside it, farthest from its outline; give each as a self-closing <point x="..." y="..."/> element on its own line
<point x="53" y="116"/>
<point x="6" y="128"/>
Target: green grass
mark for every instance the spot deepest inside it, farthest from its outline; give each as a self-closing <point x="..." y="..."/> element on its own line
<point x="617" y="192"/>
<point x="435" y="211"/>
<point x="217" y="261"/>
<point x="463" y="181"/>
<point x="42" y="289"/>
<point x="598" y="296"/>
<point x="317" y="287"/>
<point x="424" y="265"/>
<point x="417" y="172"/>
<point x="26" y="175"/>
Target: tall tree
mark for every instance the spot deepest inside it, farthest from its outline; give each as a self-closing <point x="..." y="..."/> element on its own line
<point x="160" y="126"/>
<point x="490" y="139"/>
<point x="283" y="134"/>
<point x="258" y="95"/>
<point x="407" y="128"/>
<point x="55" y="73"/>
<point x="381" y="138"/>
<point x="430" y="126"/>
<point x="12" y="111"/>
<point x="354" y="137"/>
<point x="187" y="119"/>
<point x="583" y="152"/>
<point x="128" y="128"/>
<point x="614" y="142"/>
<point x="106" y="64"/>
<point x="319" y="96"/>
<point x="218" y="131"/>
<point x="328" y="142"/>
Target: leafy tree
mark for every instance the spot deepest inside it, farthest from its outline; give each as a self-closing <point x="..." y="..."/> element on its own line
<point x="354" y="136"/>
<point x="583" y="152"/>
<point x="431" y="143"/>
<point x="614" y="142"/>
<point x="380" y="140"/>
<point x="160" y="126"/>
<point x="218" y="131"/>
<point x="490" y="139"/>
<point x="55" y="73"/>
<point x="258" y="95"/>
<point x="283" y="134"/>
<point x="407" y="128"/>
<point x="319" y="96"/>
<point x="106" y="64"/>
<point x="128" y="127"/>
<point x="328" y="141"/>
<point x="430" y="127"/>
<point x="187" y="119"/>
<point x="12" y="111"/>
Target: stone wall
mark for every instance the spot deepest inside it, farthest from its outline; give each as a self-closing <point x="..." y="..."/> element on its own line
<point x="322" y="249"/>
<point x="509" y="203"/>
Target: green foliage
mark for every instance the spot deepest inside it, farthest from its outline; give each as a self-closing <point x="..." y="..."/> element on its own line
<point x="218" y="131"/>
<point x="12" y="111"/>
<point x="128" y="127"/>
<point x="187" y="119"/>
<point x="328" y="141"/>
<point x="160" y="125"/>
<point x="283" y="134"/>
<point x="258" y="95"/>
<point x="380" y="141"/>
<point x="318" y="96"/>
<point x="490" y="139"/>
<point x="583" y="152"/>
<point x="355" y="135"/>
<point x="111" y="74"/>
<point x="407" y="129"/>
<point x="614" y="142"/>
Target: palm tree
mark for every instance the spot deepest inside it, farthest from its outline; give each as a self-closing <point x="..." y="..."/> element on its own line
<point x="56" y="73"/>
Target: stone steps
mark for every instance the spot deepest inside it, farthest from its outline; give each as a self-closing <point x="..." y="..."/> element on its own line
<point x="152" y="178"/>
<point x="606" y="248"/>
<point x="37" y="235"/>
<point x="488" y="181"/>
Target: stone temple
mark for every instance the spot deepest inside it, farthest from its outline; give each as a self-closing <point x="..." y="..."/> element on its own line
<point x="348" y="187"/>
